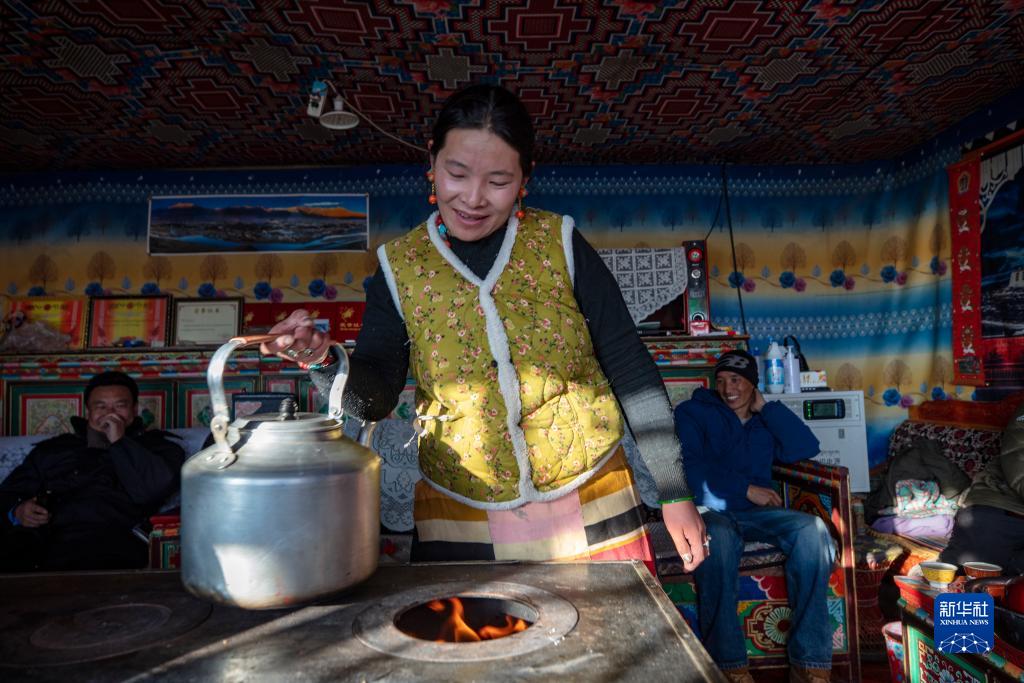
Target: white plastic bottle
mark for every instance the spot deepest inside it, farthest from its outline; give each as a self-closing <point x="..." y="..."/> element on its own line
<point x="791" y="365"/>
<point x="774" y="370"/>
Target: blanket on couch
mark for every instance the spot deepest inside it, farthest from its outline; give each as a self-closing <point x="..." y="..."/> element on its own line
<point x="919" y="482"/>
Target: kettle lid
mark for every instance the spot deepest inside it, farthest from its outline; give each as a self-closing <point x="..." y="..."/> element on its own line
<point x="287" y="419"/>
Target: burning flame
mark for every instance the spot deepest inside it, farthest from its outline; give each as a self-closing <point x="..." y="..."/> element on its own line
<point x="456" y="630"/>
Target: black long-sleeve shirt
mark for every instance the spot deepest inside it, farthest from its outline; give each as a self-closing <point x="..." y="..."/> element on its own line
<point x="380" y="362"/>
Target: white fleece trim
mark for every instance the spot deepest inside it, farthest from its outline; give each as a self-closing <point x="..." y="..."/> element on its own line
<point x="389" y="277"/>
<point x="532" y="494"/>
<point x="496" y="268"/>
<point x="568" y="225"/>
<point x="446" y="252"/>
<point x="504" y="254"/>
<point x="508" y="379"/>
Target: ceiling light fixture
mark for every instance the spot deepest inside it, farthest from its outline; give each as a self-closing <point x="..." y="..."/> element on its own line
<point x="338" y="118"/>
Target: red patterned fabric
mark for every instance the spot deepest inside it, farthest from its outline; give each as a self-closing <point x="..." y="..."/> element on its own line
<point x="186" y="83"/>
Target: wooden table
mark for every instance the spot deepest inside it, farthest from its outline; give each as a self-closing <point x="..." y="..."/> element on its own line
<point x="922" y="660"/>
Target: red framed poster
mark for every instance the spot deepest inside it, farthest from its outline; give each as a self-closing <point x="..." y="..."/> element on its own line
<point x="129" y="321"/>
<point x="340" y="319"/>
<point x="64" y="317"/>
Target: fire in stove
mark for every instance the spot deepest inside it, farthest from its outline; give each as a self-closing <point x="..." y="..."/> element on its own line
<point x="465" y="622"/>
<point x="466" y="619"/>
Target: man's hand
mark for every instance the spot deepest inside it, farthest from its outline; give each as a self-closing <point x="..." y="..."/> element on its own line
<point x="759" y="495"/>
<point x="298" y="340"/>
<point x="31" y="514"/>
<point x="113" y="426"/>
<point x="758" y="404"/>
<point x="686" y="527"/>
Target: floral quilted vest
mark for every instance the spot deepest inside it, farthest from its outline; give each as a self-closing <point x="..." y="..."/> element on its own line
<point x="513" y="404"/>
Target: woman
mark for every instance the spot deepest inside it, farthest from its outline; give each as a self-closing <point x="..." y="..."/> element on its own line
<point x="517" y="336"/>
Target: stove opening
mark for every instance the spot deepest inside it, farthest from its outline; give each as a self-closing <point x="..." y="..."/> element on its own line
<point x="466" y="619"/>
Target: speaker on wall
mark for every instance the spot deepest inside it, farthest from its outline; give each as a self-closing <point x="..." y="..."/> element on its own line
<point x="697" y="311"/>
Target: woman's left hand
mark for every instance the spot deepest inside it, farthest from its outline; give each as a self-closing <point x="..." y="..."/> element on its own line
<point x="686" y="527"/>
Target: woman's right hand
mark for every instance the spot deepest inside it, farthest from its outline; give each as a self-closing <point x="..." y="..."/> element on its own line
<point x="759" y="495"/>
<point x="31" y="514"/>
<point x="298" y="340"/>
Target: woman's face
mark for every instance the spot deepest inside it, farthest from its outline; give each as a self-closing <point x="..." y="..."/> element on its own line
<point x="478" y="177"/>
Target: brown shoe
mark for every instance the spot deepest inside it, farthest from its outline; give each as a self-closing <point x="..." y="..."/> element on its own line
<point x="741" y="675"/>
<point x="798" y="674"/>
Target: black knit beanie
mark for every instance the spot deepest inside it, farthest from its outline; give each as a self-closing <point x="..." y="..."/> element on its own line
<point x="740" y="362"/>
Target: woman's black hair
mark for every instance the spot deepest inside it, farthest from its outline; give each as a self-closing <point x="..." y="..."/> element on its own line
<point x="492" y="108"/>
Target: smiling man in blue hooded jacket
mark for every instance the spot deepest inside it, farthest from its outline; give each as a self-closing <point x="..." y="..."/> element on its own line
<point x="730" y="438"/>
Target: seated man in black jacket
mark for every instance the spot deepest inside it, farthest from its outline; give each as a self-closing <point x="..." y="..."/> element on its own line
<point x="74" y="500"/>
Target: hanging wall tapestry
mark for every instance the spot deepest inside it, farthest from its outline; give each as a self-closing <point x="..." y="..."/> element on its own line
<point x="986" y="205"/>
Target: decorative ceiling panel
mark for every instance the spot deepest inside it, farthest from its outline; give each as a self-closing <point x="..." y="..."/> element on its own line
<point x="170" y="83"/>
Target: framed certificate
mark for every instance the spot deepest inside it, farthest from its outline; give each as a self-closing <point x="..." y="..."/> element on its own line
<point x="129" y="321"/>
<point x="63" y="318"/>
<point x="206" y="322"/>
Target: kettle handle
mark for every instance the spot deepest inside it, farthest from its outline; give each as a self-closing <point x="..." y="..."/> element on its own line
<point x="219" y="401"/>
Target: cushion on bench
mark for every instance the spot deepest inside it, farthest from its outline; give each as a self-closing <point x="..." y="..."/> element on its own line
<point x="14" y="449"/>
<point x="969" y="449"/>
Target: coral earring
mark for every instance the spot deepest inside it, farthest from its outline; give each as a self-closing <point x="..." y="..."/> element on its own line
<point x="432" y="199"/>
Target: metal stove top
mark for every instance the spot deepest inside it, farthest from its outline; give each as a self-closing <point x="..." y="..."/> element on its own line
<point x="607" y="621"/>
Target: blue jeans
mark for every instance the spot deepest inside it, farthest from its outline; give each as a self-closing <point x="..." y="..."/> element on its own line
<point x="809" y="556"/>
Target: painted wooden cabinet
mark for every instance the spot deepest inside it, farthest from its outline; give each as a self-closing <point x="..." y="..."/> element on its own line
<point x="41" y="393"/>
<point x="686" y="362"/>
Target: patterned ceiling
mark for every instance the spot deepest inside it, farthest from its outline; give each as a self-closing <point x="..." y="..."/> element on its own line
<point x="90" y="84"/>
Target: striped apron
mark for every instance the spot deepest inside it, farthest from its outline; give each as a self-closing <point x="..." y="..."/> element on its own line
<point x="601" y="520"/>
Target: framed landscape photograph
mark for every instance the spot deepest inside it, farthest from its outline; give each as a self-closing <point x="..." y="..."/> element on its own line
<point x="206" y="322"/>
<point x="290" y="223"/>
<point x="129" y="321"/>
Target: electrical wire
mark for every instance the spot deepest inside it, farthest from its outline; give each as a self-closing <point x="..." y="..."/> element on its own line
<point x="364" y="117"/>
<point x="381" y="130"/>
<point x="732" y="244"/>
<point x="714" y="221"/>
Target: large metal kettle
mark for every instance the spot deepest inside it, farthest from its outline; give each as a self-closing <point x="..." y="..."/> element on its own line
<point x="282" y="508"/>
